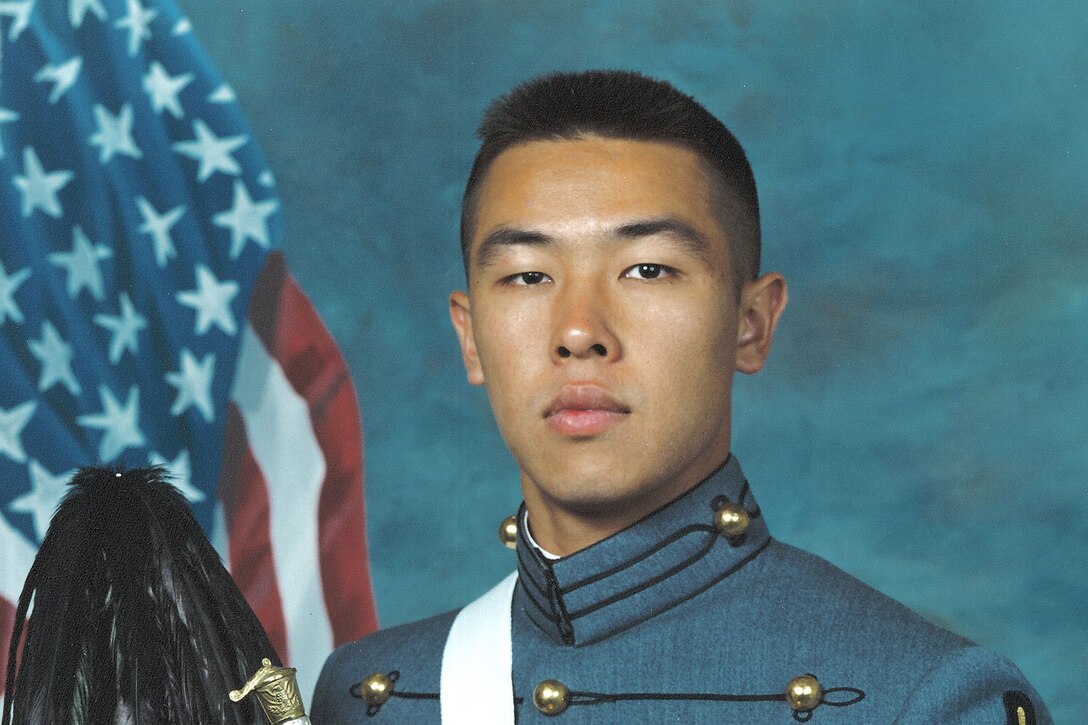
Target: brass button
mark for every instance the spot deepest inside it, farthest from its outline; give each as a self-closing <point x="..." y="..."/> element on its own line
<point x="551" y="697"/>
<point x="731" y="519"/>
<point x="376" y="689"/>
<point x="508" y="532"/>
<point x="804" y="693"/>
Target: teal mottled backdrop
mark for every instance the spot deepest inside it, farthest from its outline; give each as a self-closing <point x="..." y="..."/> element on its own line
<point x="924" y="176"/>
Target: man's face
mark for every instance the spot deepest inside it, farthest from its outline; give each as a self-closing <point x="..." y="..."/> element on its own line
<point x="602" y="320"/>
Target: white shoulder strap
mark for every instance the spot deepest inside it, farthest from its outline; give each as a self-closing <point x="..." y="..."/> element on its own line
<point x="476" y="663"/>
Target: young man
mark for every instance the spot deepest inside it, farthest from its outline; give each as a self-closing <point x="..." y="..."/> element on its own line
<point x="610" y="232"/>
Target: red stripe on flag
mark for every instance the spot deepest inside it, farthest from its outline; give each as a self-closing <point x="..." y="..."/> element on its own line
<point x="244" y="496"/>
<point x="7" y="625"/>
<point x="293" y="333"/>
<point x="345" y="574"/>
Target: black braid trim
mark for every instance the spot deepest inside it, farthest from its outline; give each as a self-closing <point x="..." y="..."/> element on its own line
<point x="596" y="698"/>
<point x="579" y="697"/>
<point x="728" y="572"/>
<point x="707" y="545"/>
<point x="638" y="558"/>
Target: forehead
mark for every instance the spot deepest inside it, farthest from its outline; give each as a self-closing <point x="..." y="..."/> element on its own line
<point x="589" y="185"/>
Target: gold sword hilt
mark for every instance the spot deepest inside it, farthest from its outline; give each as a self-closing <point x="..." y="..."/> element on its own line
<point x="277" y="692"/>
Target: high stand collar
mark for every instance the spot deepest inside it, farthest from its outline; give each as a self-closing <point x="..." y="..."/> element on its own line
<point x="643" y="570"/>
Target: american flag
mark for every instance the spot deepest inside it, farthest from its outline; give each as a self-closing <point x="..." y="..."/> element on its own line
<point x="146" y="316"/>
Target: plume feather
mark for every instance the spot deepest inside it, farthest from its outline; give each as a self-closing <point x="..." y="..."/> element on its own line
<point x="135" y="619"/>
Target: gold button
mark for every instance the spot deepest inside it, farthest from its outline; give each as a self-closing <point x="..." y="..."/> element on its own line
<point x="804" y="693"/>
<point x="508" y="532"/>
<point x="551" y="697"/>
<point x="376" y="689"/>
<point x="731" y="519"/>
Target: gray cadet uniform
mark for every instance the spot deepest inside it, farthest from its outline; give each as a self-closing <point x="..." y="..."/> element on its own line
<point x="695" y="615"/>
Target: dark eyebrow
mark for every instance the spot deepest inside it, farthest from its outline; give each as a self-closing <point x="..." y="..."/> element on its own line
<point x="690" y="238"/>
<point x="493" y="243"/>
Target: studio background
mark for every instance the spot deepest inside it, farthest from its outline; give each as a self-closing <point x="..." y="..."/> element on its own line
<point x="922" y="168"/>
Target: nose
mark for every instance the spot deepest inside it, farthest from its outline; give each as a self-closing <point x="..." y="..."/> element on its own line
<point x="583" y="327"/>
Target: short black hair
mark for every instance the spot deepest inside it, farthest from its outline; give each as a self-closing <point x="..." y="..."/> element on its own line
<point x="623" y="105"/>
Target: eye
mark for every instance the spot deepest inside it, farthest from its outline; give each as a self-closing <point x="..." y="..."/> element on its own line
<point x="526" y="278"/>
<point x="648" y="271"/>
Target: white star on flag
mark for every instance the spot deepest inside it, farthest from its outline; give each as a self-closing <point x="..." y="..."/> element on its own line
<point x="20" y="14"/>
<point x="12" y="423"/>
<point x="211" y="300"/>
<point x="180" y="475"/>
<point x="55" y="355"/>
<point x="136" y="22"/>
<point x="194" y="383"/>
<point x="119" y="423"/>
<point x="77" y="9"/>
<point x="44" y="496"/>
<point x="40" y="188"/>
<point x="222" y="94"/>
<point x="213" y="153"/>
<point x="82" y="264"/>
<point x="114" y="135"/>
<point x="62" y="76"/>
<point x="182" y="27"/>
<point x="159" y="226"/>
<point x="6" y="115"/>
<point x="164" y="89"/>
<point x="246" y="220"/>
<point x="123" y="328"/>
<point x="9" y="285"/>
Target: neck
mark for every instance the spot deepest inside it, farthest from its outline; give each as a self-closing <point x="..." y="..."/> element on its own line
<point x="564" y="528"/>
<point x="563" y="533"/>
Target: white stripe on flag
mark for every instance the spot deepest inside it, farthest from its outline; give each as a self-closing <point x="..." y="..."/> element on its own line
<point x="218" y="537"/>
<point x="16" y="558"/>
<point x="281" y="436"/>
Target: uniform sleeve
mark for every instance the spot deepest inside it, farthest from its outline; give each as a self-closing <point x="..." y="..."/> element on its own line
<point x="974" y="687"/>
<point x="327" y="705"/>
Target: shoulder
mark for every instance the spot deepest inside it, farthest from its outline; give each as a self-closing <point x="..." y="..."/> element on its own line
<point x="841" y="606"/>
<point x="850" y="630"/>
<point x="414" y="651"/>
<point x="973" y="685"/>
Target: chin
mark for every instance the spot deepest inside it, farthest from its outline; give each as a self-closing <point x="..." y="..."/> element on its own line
<point x="588" y="503"/>
<point x="600" y="497"/>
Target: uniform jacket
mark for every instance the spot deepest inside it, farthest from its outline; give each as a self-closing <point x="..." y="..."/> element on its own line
<point x="671" y="621"/>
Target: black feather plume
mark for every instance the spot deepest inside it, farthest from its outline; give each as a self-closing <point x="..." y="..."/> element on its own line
<point x="135" y="620"/>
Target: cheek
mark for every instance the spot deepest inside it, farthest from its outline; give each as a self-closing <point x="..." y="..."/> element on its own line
<point x="686" y="362"/>
<point x="686" y="337"/>
<point x="504" y="340"/>
<point x="694" y="386"/>
<point x="511" y="351"/>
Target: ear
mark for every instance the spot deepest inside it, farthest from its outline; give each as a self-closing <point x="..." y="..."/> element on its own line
<point x="762" y="302"/>
<point x="461" y="317"/>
